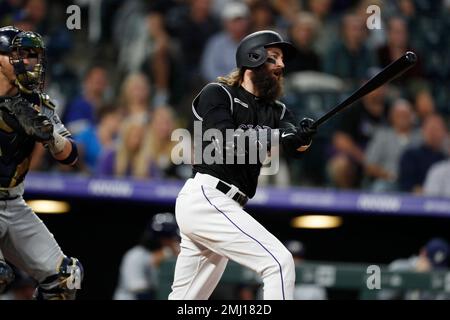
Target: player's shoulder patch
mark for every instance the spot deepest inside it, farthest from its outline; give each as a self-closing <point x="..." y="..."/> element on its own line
<point x="282" y="106"/>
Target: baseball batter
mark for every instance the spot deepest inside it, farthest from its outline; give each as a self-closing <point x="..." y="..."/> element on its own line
<point x="28" y="117"/>
<point x="209" y="208"/>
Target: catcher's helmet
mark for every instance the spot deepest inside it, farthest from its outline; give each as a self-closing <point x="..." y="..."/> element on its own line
<point x="161" y="226"/>
<point x="7" y="35"/>
<point x="252" y="53"/>
<point x="28" y="45"/>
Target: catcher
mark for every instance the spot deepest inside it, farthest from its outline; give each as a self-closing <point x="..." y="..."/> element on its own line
<point x="27" y="117"/>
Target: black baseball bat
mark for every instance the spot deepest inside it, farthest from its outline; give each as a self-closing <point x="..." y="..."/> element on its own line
<point x="389" y="73"/>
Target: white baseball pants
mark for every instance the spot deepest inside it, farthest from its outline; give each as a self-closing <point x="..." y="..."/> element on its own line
<point x="214" y="228"/>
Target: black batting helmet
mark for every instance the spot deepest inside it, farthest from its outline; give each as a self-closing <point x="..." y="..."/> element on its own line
<point x="252" y="53"/>
<point x="161" y="226"/>
<point x="7" y="35"/>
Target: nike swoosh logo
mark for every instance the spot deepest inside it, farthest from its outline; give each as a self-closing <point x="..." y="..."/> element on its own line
<point x="284" y="134"/>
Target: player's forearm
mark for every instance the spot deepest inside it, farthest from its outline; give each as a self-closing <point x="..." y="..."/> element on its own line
<point x="63" y="149"/>
<point x="344" y="143"/>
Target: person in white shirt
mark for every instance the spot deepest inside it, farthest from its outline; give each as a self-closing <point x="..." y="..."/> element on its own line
<point x="138" y="278"/>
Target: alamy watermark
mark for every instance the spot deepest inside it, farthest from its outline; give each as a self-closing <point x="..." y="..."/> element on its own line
<point x="373" y="281"/>
<point x="245" y="145"/>
<point x="374" y="20"/>
<point x="73" y="21"/>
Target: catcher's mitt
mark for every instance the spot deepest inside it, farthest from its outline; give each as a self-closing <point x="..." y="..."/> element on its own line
<point x="29" y="119"/>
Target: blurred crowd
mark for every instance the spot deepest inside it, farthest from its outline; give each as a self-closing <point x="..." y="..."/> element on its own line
<point x="126" y="80"/>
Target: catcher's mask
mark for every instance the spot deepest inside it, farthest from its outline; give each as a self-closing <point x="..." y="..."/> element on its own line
<point x="28" y="58"/>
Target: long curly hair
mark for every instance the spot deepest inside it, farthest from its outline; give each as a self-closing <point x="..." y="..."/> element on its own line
<point x="234" y="78"/>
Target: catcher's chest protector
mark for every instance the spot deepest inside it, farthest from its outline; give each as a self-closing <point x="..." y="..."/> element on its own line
<point x="15" y="150"/>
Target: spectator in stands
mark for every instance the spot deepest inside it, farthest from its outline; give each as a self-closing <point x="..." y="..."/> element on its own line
<point x="246" y="291"/>
<point x="9" y="10"/>
<point x="144" y="43"/>
<point x="407" y="8"/>
<point x="155" y="160"/>
<point x="396" y="46"/>
<point x="327" y="32"/>
<point x="37" y="16"/>
<point x="138" y="278"/>
<point x="288" y="9"/>
<point x="22" y="287"/>
<point x="349" y="57"/>
<point x="24" y="24"/>
<point x="415" y="162"/>
<point x="35" y="11"/>
<point x="135" y="96"/>
<point x="131" y="36"/>
<point x="192" y="25"/>
<point x="81" y="112"/>
<point x="303" y="33"/>
<point x="158" y="61"/>
<point x="437" y="181"/>
<point x="219" y="54"/>
<point x="262" y="16"/>
<point x="423" y="105"/>
<point x="357" y="127"/>
<point x="143" y="150"/>
<point x="386" y="146"/>
<point x="94" y="140"/>
<point x="433" y="256"/>
<point x="304" y="291"/>
<point x="122" y="159"/>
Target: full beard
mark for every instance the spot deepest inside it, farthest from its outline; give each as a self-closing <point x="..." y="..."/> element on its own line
<point x="268" y="86"/>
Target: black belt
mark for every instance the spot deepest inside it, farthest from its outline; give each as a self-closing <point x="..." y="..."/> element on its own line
<point x="238" y="197"/>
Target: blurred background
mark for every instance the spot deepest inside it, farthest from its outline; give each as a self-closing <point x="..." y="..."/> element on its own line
<point x="372" y="190"/>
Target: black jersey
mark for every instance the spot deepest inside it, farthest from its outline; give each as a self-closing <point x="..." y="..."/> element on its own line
<point x="16" y="146"/>
<point x="224" y="107"/>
